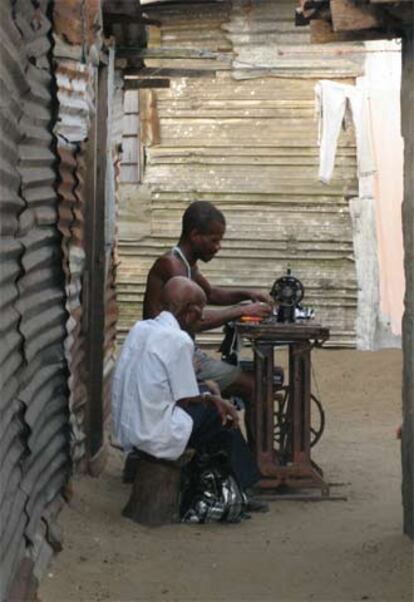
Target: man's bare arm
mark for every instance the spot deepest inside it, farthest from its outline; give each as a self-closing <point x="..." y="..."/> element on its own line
<point x="218" y="295"/>
<point x="213" y="318"/>
<point x="168" y="266"/>
<point x="226" y="410"/>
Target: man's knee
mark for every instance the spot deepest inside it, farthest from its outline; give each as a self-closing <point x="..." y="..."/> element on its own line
<point x="243" y="385"/>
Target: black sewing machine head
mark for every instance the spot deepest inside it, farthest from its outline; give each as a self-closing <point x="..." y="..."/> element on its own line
<point x="288" y="292"/>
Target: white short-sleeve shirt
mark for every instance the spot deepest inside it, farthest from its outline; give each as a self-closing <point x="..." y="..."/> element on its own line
<point x="154" y="371"/>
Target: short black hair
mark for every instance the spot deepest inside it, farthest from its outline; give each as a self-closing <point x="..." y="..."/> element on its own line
<point x="199" y="216"/>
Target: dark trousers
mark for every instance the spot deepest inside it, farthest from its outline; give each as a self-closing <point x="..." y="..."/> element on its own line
<point x="210" y="435"/>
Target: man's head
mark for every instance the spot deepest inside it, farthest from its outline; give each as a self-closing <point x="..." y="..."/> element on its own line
<point x="186" y="301"/>
<point x="203" y="227"/>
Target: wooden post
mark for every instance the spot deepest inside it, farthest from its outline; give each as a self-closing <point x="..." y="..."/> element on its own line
<point x="95" y="274"/>
<point x="407" y="448"/>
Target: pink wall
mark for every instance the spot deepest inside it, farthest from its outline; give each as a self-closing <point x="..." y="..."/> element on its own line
<point x="382" y="79"/>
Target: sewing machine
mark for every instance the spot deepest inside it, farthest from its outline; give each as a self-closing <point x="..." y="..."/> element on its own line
<point x="283" y="431"/>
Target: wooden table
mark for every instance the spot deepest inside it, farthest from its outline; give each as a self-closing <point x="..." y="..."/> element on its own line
<point x="294" y="469"/>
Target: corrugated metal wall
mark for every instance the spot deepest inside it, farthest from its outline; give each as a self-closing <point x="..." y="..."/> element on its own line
<point x="33" y="404"/>
<point x="246" y="140"/>
<point x="71" y="130"/>
<point x="47" y="101"/>
<point x="114" y="142"/>
<point x="78" y="42"/>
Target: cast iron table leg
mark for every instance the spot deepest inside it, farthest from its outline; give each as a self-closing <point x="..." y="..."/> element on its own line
<point x="263" y="412"/>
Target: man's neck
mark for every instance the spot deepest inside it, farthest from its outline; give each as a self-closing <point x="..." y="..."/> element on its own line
<point x="180" y="319"/>
<point x="187" y="251"/>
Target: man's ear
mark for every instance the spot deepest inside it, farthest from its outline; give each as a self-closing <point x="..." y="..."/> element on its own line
<point x="194" y="234"/>
<point x="187" y="310"/>
<point x="184" y="311"/>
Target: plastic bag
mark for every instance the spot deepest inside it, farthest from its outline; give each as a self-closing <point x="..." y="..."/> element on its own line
<point x="211" y="493"/>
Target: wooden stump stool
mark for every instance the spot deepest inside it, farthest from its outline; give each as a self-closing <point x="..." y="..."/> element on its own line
<point x="155" y="495"/>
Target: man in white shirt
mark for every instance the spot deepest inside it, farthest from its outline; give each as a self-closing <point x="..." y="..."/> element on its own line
<point x="156" y="404"/>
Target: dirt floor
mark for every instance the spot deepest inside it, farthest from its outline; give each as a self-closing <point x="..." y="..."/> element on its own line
<point x="330" y="550"/>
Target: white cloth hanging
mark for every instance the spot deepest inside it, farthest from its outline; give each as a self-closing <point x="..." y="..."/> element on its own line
<point x="333" y="99"/>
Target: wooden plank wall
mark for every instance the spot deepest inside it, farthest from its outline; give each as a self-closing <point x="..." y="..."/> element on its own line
<point x="250" y="146"/>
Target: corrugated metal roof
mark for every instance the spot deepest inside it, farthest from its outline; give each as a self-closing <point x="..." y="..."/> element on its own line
<point x="251" y="148"/>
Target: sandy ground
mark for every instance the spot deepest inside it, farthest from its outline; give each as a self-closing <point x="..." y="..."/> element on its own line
<point x="332" y="550"/>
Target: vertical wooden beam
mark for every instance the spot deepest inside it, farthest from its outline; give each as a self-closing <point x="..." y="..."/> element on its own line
<point x="96" y="274"/>
<point x="407" y="449"/>
<point x="347" y="16"/>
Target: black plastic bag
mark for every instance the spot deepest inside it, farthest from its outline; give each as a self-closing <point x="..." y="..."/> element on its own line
<point x="210" y="492"/>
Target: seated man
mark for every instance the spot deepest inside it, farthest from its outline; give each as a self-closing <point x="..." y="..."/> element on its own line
<point x="203" y="227"/>
<point x="156" y="404"/>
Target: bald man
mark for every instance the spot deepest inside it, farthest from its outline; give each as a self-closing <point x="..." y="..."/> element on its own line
<point x="156" y="403"/>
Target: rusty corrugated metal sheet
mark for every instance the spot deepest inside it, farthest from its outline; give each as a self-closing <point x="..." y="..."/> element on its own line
<point x="111" y="317"/>
<point x="76" y="85"/>
<point x="117" y="111"/>
<point x="113" y="168"/>
<point x="71" y="130"/>
<point x="251" y="148"/>
<point x="68" y="22"/>
<point x="77" y="30"/>
<point x="34" y="443"/>
<point x="93" y="19"/>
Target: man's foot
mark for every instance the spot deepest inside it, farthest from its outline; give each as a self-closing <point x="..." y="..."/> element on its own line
<point x="254" y="504"/>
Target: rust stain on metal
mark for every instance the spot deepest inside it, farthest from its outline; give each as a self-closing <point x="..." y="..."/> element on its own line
<point x="68" y="21"/>
<point x="93" y="20"/>
<point x="73" y="90"/>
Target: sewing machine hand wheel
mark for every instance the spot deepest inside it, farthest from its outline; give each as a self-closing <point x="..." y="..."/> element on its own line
<point x="282" y="432"/>
<point x="287" y="290"/>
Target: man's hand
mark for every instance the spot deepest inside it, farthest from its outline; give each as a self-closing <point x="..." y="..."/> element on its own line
<point x="261" y="296"/>
<point x="257" y="309"/>
<point x="226" y="410"/>
<point x="213" y="387"/>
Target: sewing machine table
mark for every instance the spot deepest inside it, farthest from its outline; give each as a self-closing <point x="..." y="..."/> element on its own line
<point x="297" y="470"/>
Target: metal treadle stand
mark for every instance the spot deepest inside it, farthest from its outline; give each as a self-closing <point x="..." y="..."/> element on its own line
<point x="285" y="461"/>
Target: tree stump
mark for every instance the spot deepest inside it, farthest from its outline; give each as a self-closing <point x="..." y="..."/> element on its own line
<point x="155" y="495"/>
